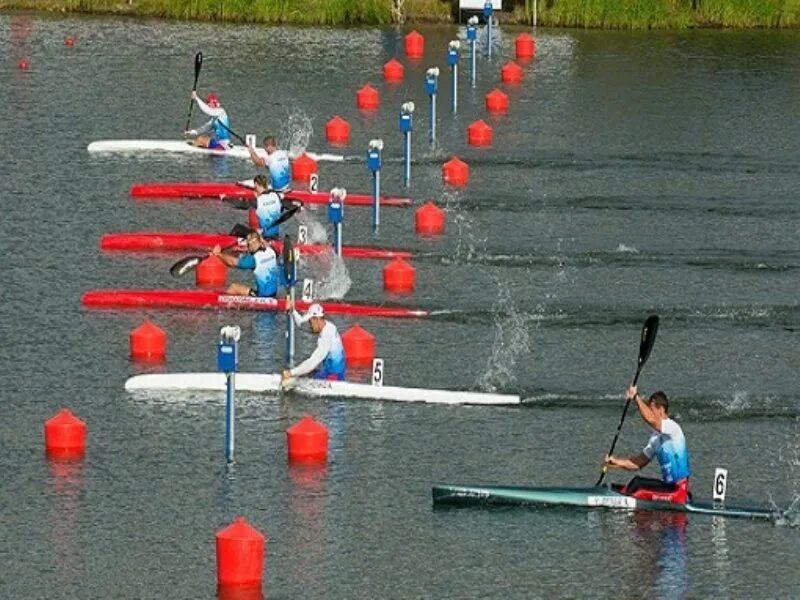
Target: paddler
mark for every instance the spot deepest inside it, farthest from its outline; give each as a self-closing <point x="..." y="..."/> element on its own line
<point x="277" y="164"/>
<point x="328" y="359"/>
<point x="667" y="444"/>
<point x="259" y="258"/>
<point x="219" y="122"/>
<point x="269" y="206"/>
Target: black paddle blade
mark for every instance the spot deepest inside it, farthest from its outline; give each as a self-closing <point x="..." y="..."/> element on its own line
<point x="198" y="64"/>
<point x="288" y="260"/>
<point x="240" y="230"/>
<point x="185" y="265"/>
<point x="649" y="331"/>
<point x="285" y="216"/>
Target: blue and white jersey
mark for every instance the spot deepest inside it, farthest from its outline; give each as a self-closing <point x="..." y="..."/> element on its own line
<point x="669" y="447"/>
<point x="219" y="122"/>
<point x="328" y="359"/>
<point x="264" y="265"/>
<point x="279" y="170"/>
<point x="268" y="209"/>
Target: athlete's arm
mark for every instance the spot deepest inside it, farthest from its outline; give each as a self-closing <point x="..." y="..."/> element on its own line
<point x="633" y="463"/>
<point x="257" y="160"/>
<point x="647" y="413"/>
<point x="211" y="112"/>
<point x="313" y="361"/>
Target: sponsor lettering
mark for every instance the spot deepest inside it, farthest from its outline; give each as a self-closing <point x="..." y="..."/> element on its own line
<point x="611" y="501"/>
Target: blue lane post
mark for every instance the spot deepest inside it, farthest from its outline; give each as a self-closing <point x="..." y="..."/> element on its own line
<point x="488" y="10"/>
<point x="336" y="216"/>
<point x="374" y="165"/>
<point x="406" y="125"/>
<point x="227" y="361"/>
<point x="452" y="60"/>
<point x="472" y="38"/>
<point x="431" y="87"/>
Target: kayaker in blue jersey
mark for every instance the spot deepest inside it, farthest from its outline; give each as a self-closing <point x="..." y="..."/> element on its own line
<point x="667" y="444"/>
<point x="276" y="162"/>
<point x="259" y="258"/>
<point x="269" y="206"/>
<point x="219" y="123"/>
<point x="328" y="359"/>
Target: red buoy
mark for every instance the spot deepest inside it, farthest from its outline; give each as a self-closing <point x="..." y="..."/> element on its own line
<point x="359" y="346"/>
<point x="211" y="272"/>
<point x="496" y="101"/>
<point x="65" y="435"/>
<point x="148" y="342"/>
<point x="398" y="277"/>
<point x="23" y="64"/>
<point x="367" y="98"/>
<point x="240" y="554"/>
<point x="69" y="41"/>
<point x="414" y="45"/>
<point x="252" y="219"/>
<point x="307" y="441"/>
<point x="479" y="133"/>
<point x="429" y="219"/>
<point x="302" y="167"/>
<point x="337" y="130"/>
<point x="511" y="73"/>
<point x="525" y="46"/>
<point x="455" y="172"/>
<point x="393" y="71"/>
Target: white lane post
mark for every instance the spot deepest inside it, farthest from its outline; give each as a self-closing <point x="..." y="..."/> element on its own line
<point x="227" y="361"/>
<point x="472" y="37"/>
<point x="406" y="125"/>
<point x="452" y="60"/>
<point x="431" y="88"/>
<point x="374" y="165"/>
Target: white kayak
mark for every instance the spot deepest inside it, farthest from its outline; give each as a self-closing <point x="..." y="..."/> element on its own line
<point x="184" y="147"/>
<point x="261" y="382"/>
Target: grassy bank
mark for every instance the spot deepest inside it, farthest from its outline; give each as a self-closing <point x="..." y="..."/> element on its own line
<point x="611" y="14"/>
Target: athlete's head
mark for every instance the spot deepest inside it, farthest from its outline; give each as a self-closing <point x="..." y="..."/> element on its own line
<point x="212" y="100"/>
<point x="659" y="401"/>
<point x="316" y="317"/>
<point x="269" y="144"/>
<point x="260" y="182"/>
<point x="254" y="241"/>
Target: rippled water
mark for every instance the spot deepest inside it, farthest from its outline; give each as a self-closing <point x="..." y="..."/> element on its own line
<point x="635" y="173"/>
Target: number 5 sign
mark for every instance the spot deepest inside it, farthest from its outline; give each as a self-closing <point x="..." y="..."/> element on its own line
<point x="377" y="371"/>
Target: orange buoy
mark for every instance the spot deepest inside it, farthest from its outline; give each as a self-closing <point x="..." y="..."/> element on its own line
<point x="525" y="46"/>
<point x="240" y="554"/>
<point x="511" y="73"/>
<point x="307" y="441"/>
<point x="496" y="101"/>
<point x="148" y="342"/>
<point x="414" y="45"/>
<point x="23" y="64"/>
<point x="337" y="130"/>
<point x="252" y="219"/>
<point x="211" y="272"/>
<point x="455" y="172"/>
<point x="359" y="346"/>
<point x="398" y="277"/>
<point x="69" y="41"/>
<point x="367" y="98"/>
<point x="393" y="71"/>
<point x="429" y="219"/>
<point x="479" y="133"/>
<point x="65" y="435"/>
<point x="302" y="167"/>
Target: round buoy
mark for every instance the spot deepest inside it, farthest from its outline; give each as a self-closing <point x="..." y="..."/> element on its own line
<point x="511" y="73"/>
<point x="302" y="167"/>
<point x="429" y="219"/>
<point x="525" y="46"/>
<point x="148" y="342"/>
<point x="252" y="219"/>
<point x="367" y="98"/>
<point x="359" y="346"/>
<point x="455" y="172"/>
<point x="393" y="71"/>
<point x="307" y="441"/>
<point x="479" y="133"/>
<point x="23" y="64"/>
<point x="398" y="277"/>
<point x="496" y="102"/>
<point x="414" y="45"/>
<point x="211" y="272"/>
<point x="69" y="41"/>
<point x="337" y="130"/>
<point x="65" y="434"/>
<point x="240" y="554"/>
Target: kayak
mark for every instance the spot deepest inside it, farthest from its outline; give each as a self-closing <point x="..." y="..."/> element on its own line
<point x="184" y="147"/>
<point x="236" y="191"/>
<point x="164" y="242"/>
<point x="590" y="497"/>
<point x="209" y="299"/>
<point x="259" y="382"/>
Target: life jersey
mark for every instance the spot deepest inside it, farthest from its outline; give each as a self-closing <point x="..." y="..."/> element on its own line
<point x="328" y="359"/>
<point x="268" y="209"/>
<point x="264" y="265"/>
<point x="219" y="122"/>
<point x="669" y="447"/>
<point x="279" y="174"/>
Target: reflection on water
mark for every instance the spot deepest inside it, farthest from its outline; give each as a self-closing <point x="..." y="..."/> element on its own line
<point x="309" y="530"/>
<point x="663" y="537"/>
<point x="66" y="487"/>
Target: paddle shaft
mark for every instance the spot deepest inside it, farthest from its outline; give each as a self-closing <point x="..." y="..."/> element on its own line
<point x="290" y="274"/>
<point x="198" y="63"/>
<point x="619" y="429"/>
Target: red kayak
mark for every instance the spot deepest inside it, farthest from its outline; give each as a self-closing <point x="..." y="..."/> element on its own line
<point x="237" y="191"/>
<point x="211" y="299"/>
<point x="164" y="242"/>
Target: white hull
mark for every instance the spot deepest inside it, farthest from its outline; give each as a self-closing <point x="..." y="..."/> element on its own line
<point x="259" y="382"/>
<point x="183" y="147"/>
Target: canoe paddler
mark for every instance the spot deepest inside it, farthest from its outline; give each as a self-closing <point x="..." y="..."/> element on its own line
<point x="667" y="444"/>
<point x="328" y="359"/>
<point x="219" y="123"/>
<point x="277" y="164"/>
<point x="260" y="258"/>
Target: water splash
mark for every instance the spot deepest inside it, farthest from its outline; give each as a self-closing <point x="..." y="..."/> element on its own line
<point x="317" y="233"/>
<point x="331" y="277"/>
<point x="624" y="248"/>
<point x="297" y="132"/>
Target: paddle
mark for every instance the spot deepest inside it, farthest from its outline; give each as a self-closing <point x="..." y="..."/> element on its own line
<point x="188" y="263"/>
<point x="645" y="346"/>
<point x="289" y="275"/>
<point x="198" y="64"/>
<point x="233" y="133"/>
